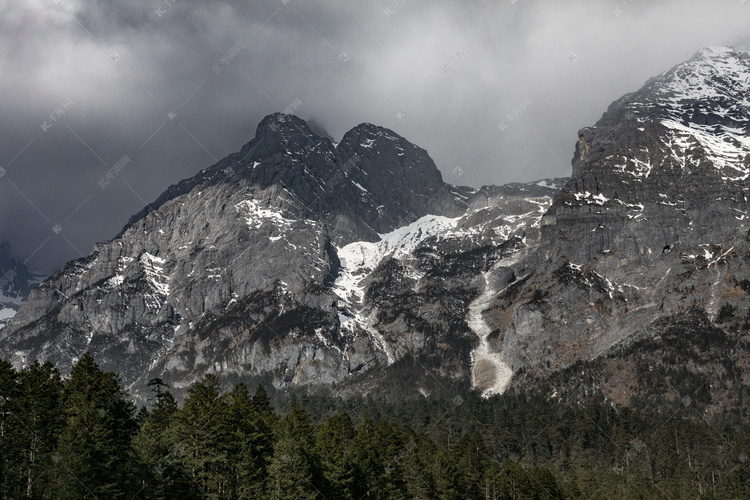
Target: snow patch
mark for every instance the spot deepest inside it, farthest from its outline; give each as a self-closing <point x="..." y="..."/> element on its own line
<point x="114" y="281"/>
<point x="546" y="183"/>
<point x="726" y="150"/>
<point x="153" y="269"/>
<point x="591" y="199"/>
<point x="7" y="313"/>
<point x="360" y="187"/>
<point x="255" y="215"/>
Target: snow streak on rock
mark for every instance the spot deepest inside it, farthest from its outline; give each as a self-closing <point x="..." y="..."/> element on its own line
<point x="489" y="371"/>
<point x="361" y="258"/>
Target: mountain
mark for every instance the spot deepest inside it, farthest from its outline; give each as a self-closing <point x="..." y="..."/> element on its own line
<point x="294" y="262"/>
<point x="15" y="284"/>
<point x="647" y="244"/>
<point x="353" y="268"/>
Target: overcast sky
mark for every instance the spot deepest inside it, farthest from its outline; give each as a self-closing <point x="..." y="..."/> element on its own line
<point x="152" y="92"/>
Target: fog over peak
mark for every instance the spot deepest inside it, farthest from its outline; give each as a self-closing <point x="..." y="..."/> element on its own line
<point x="159" y="90"/>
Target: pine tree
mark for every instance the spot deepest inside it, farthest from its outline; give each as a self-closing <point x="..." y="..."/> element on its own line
<point x="95" y="458"/>
<point x="8" y="427"/>
<point x="264" y="409"/>
<point x="293" y="471"/>
<point x="39" y="406"/>
<point x="202" y="439"/>
<point x="251" y="445"/>
<point x="471" y="462"/>
<point x="378" y="451"/>
<point x="332" y="440"/>
<point x="417" y="466"/>
<point x="447" y="475"/>
<point x="161" y="476"/>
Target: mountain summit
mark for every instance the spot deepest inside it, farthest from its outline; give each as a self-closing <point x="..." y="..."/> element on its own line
<point x="367" y="184"/>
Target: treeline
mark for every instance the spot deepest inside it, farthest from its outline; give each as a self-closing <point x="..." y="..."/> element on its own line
<point x="82" y="437"/>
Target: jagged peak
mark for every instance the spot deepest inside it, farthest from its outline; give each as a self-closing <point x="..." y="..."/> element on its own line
<point x="716" y="80"/>
<point x="283" y="125"/>
<point x="370" y="128"/>
<point x="365" y="134"/>
<point x="307" y="154"/>
<point x="712" y="72"/>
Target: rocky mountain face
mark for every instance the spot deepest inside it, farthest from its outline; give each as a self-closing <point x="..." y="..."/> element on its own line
<point x="295" y="262"/>
<point x="353" y="268"/>
<point x="15" y="284"/>
<point x="650" y="231"/>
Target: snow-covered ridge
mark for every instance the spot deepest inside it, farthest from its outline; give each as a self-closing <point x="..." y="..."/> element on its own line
<point x="716" y="81"/>
<point x="705" y="105"/>
<point x="715" y="73"/>
<point x="360" y="258"/>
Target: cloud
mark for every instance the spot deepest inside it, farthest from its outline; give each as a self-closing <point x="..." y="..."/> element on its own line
<point x="499" y="88"/>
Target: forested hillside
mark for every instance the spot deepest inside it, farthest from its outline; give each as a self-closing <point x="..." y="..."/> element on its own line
<point x="82" y="437"/>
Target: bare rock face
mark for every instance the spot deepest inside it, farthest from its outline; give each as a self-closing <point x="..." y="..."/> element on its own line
<point x="652" y="222"/>
<point x="353" y="268"/>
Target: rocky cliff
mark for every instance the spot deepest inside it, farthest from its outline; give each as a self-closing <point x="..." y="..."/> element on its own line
<point x="651" y="227"/>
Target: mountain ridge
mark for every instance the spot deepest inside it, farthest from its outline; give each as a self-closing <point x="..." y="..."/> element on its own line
<point x="251" y="226"/>
<point x="354" y="269"/>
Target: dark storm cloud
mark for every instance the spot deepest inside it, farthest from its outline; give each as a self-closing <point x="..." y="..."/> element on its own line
<point x="152" y="92"/>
